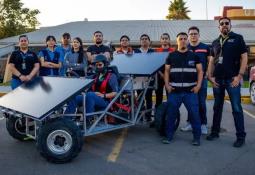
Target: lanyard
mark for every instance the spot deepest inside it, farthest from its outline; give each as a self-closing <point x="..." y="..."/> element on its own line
<point x="222" y="41"/>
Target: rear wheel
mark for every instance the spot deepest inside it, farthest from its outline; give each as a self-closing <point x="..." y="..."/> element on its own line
<point x="60" y="141"/>
<point x="160" y="119"/>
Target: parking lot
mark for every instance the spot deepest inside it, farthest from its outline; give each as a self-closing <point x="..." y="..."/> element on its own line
<point x="138" y="150"/>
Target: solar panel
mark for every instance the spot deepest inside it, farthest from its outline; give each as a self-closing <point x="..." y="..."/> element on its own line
<point x="139" y="64"/>
<point x="42" y="95"/>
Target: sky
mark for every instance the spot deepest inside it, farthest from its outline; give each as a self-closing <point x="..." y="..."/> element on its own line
<point x="55" y="12"/>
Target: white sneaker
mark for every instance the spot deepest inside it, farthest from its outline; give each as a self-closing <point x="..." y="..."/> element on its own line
<point x="204" y="129"/>
<point x="188" y="127"/>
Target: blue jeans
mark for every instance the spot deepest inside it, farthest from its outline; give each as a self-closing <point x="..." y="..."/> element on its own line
<point x="202" y="94"/>
<point x="190" y="101"/>
<point x="92" y="101"/>
<point x="237" y="111"/>
<point x="15" y="83"/>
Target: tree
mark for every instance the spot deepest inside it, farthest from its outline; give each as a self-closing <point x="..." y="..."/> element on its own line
<point x="177" y="10"/>
<point x="15" y="20"/>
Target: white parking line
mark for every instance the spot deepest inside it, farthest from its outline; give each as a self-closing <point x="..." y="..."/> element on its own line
<point x="245" y="111"/>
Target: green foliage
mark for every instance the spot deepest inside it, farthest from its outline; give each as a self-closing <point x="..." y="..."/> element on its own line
<point x="15" y="20"/>
<point x="177" y="10"/>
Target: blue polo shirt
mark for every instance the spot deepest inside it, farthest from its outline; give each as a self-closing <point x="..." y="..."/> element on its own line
<point x="202" y="51"/>
<point x="62" y="52"/>
<point x="232" y="50"/>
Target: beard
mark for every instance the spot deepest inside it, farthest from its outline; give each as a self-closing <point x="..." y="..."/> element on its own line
<point x="225" y="31"/>
<point x="98" y="42"/>
<point x="183" y="48"/>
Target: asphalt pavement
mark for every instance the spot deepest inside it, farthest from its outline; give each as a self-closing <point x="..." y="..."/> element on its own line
<point x="141" y="152"/>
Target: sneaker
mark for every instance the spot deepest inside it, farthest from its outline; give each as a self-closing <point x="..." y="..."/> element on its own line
<point x="239" y="143"/>
<point x="186" y="128"/>
<point x="204" y="129"/>
<point x="166" y="141"/>
<point x="212" y="136"/>
<point x="195" y="142"/>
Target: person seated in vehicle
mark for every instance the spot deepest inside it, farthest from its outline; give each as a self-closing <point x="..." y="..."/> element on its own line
<point x="104" y="89"/>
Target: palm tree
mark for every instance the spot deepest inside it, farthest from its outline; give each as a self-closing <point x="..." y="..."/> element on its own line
<point x="177" y="10"/>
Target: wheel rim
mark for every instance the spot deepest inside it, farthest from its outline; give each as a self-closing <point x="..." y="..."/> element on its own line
<point x="253" y="93"/>
<point x="59" y="142"/>
<point x="20" y="126"/>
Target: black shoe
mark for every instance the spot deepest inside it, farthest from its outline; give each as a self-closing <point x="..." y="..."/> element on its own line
<point x="212" y="136"/>
<point x="166" y="141"/>
<point x="195" y="142"/>
<point x="239" y="143"/>
<point x="152" y="124"/>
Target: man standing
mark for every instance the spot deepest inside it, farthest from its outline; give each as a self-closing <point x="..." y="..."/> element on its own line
<point x="203" y="52"/>
<point x="225" y="71"/>
<point x="23" y="63"/>
<point x="145" y="42"/>
<point x="63" y="49"/>
<point x="124" y="46"/>
<point x="165" y="47"/>
<point x="183" y="78"/>
<point x="98" y="48"/>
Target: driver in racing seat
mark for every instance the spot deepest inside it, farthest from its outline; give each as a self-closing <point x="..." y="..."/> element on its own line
<point x="104" y="89"/>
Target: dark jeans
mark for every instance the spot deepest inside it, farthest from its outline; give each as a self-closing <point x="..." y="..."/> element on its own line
<point x="159" y="91"/>
<point x="190" y="101"/>
<point x="237" y="111"/>
<point x="92" y="101"/>
<point x="15" y="83"/>
<point x="202" y="94"/>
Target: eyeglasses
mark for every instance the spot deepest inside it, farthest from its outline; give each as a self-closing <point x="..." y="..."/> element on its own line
<point x="193" y="34"/>
<point x="99" y="64"/>
<point x="222" y="23"/>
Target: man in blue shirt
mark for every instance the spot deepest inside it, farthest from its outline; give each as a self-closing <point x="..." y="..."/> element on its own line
<point x="203" y="52"/>
<point x="63" y="49"/>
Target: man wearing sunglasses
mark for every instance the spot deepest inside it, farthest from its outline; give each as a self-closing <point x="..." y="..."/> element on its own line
<point x="225" y="71"/>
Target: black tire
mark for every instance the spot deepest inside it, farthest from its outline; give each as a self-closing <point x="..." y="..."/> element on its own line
<point x="16" y="127"/>
<point x="160" y="119"/>
<point x="59" y="141"/>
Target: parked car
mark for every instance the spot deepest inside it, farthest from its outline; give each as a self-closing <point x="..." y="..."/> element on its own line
<point x="252" y="84"/>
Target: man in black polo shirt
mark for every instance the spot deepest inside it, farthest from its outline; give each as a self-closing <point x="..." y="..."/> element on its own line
<point x="183" y="78"/>
<point x="98" y="48"/>
<point x="23" y="63"/>
<point x="225" y="71"/>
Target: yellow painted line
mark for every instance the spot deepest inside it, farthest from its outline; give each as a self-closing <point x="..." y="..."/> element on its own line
<point x="117" y="147"/>
<point x="245" y="111"/>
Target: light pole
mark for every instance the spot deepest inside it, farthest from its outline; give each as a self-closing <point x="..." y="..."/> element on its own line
<point x="206" y="10"/>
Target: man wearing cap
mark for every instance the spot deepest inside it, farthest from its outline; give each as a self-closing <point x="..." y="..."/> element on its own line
<point x="104" y="89"/>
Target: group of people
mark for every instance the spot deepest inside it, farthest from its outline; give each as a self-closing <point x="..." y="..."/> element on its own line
<point x="185" y="74"/>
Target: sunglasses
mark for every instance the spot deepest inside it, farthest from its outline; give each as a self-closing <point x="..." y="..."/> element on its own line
<point x="226" y="23"/>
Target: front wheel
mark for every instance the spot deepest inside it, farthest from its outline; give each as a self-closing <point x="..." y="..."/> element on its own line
<point x="59" y="141"/>
<point x="252" y="92"/>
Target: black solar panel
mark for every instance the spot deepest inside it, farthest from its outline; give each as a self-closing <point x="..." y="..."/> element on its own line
<point x="139" y="64"/>
<point x="38" y="97"/>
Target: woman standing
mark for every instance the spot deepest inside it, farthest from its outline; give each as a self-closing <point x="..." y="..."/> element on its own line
<point x="49" y="58"/>
<point x="75" y="61"/>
